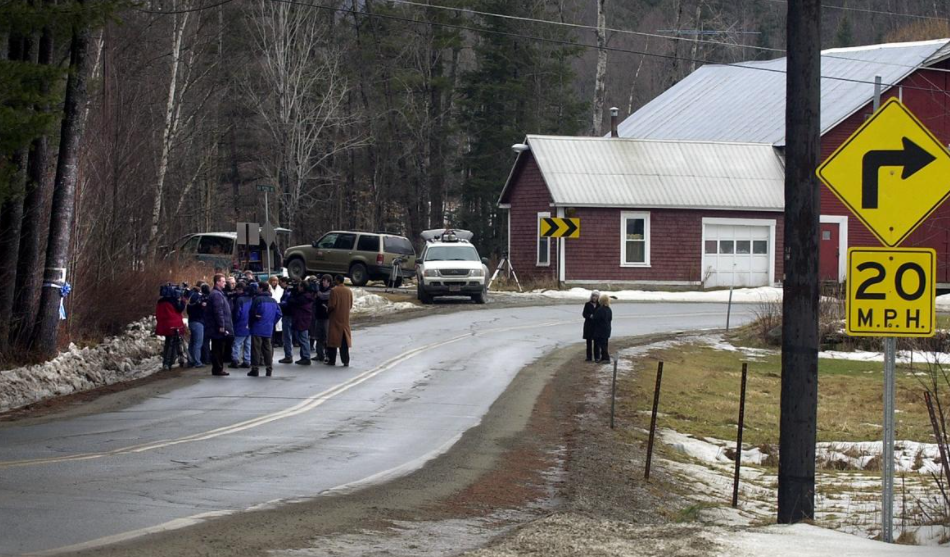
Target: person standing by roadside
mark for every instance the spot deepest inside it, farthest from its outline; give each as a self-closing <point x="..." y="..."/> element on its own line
<point x="169" y="322"/>
<point x="286" y="321"/>
<point x="588" y="314"/>
<point x="265" y="312"/>
<point x="301" y="307"/>
<point x="206" y="343"/>
<point x="276" y="293"/>
<point x="603" y="315"/>
<point x="240" y="315"/>
<point x="339" y="335"/>
<point x="196" y="324"/>
<point x="321" y="317"/>
<point x="219" y="327"/>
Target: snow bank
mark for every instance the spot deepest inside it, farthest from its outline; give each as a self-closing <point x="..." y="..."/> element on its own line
<point x="739" y="295"/>
<point x="909" y="456"/>
<point x="368" y="303"/>
<point x="131" y="355"/>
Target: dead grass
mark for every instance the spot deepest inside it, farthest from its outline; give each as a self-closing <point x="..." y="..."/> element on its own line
<point x="700" y="396"/>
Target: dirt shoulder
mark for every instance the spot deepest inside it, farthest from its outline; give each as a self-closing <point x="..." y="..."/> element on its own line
<point x="543" y="455"/>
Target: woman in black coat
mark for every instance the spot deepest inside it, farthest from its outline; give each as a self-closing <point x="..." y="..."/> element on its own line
<point x="601" y="320"/>
<point x="588" y="313"/>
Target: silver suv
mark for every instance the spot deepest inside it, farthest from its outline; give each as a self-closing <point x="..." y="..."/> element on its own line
<point x="450" y="266"/>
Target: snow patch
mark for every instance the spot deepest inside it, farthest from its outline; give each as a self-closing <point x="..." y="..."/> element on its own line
<point x="367" y="303"/>
<point x="131" y="355"/>
<point x="739" y="295"/>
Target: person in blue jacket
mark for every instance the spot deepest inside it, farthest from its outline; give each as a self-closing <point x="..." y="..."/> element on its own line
<point x="240" y="314"/>
<point x="265" y="314"/>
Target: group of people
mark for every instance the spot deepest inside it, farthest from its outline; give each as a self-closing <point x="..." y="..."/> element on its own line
<point x="597" y="317"/>
<point x="242" y="320"/>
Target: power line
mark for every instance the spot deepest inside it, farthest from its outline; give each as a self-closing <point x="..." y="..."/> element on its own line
<point x="630" y="32"/>
<point x="578" y="25"/>
<point x="608" y="48"/>
<point x="190" y="10"/>
<point x="870" y="11"/>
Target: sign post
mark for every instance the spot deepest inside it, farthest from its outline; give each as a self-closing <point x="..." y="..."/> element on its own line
<point x="267" y="231"/>
<point x="891" y="291"/>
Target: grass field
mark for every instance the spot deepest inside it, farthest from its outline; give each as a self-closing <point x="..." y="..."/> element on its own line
<point x="700" y="396"/>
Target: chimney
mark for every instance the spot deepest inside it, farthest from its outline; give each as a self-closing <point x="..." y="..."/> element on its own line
<point x="613" y="121"/>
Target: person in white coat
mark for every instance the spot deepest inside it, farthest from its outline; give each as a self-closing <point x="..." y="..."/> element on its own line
<point x="277" y="294"/>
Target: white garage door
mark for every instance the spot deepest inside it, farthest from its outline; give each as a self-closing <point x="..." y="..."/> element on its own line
<point x="736" y="255"/>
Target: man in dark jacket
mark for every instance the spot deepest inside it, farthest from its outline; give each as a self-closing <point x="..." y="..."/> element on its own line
<point x="265" y="313"/>
<point x="196" y="324"/>
<point x="300" y="305"/>
<point x="318" y="328"/>
<point x="219" y="327"/>
<point x="286" y="322"/>
<point x="588" y="313"/>
<point x="603" y="315"/>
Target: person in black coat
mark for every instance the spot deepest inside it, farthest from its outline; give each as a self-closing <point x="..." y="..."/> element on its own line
<point x="588" y="313"/>
<point x="219" y="327"/>
<point x="601" y="319"/>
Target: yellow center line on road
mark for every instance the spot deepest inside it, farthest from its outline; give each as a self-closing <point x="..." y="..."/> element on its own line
<point x="306" y="405"/>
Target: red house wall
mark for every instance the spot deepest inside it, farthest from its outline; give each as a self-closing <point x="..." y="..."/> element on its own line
<point x="528" y="197"/>
<point x="675" y="237"/>
<point x="924" y="93"/>
<point x="676" y="245"/>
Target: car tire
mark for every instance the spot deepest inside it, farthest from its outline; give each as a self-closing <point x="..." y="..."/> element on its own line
<point x="358" y="274"/>
<point x="296" y="268"/>
<point x="397" y="283"/>
<point x="481" y="297"/>
<point x="421" y="294"/>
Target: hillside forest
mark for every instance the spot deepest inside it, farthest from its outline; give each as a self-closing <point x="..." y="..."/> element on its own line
<point x="126" y="124"/>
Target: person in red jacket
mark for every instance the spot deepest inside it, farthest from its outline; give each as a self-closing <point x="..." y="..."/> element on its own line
<point x="170" y="323"/>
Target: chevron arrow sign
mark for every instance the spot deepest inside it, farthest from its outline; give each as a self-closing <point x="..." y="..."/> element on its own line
<point x="560" y="228"/>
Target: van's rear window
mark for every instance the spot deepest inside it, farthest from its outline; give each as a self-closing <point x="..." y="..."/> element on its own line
<point x="394" y="244"/>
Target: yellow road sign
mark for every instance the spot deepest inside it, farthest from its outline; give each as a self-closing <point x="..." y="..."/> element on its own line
<point x="560" y="228"/>
<point x="891" y="292"/>
<point x="892" y="173"/>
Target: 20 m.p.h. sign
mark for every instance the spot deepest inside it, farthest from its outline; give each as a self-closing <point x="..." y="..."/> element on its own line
<point x="891" y="292"/>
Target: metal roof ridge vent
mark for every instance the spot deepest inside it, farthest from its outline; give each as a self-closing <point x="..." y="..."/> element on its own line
<point x="614" y="116"/>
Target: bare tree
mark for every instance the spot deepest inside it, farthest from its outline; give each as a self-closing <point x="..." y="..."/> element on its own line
<point x="186" y="71"/>
<point x="298" y="89"/>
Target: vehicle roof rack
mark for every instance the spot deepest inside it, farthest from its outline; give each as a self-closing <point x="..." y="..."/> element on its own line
<point x="449" y="235"/>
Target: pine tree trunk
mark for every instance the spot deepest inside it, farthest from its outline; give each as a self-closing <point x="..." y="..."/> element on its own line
<point x="28" y="278"/>
<point x="11" y="211"/>
<point x="600" y="82"/>
<point x="64" y="192"/>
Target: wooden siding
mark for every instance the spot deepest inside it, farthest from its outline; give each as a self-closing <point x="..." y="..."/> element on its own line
<point x="528" y="197"/>
<point x="676" y="244"/>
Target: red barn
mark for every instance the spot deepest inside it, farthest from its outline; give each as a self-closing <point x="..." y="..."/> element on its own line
<point x="745" y="103"/>
<point x="652" y="213"/>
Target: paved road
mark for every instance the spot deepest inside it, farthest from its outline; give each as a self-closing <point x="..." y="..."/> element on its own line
<point x="229" y="444"/>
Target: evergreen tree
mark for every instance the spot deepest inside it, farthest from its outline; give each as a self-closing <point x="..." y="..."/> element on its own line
<point x="844" y="35"/>
<point x="519" y="85"/>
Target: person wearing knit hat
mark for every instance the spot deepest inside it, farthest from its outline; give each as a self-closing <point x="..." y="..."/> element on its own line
<point x="589" y="308"/>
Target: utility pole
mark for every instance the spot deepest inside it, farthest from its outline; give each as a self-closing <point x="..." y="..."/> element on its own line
<point x="799" y="406"/>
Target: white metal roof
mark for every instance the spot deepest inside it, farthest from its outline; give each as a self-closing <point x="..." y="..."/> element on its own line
<point x="617" y="172"/>
<point x="746" y="102"/>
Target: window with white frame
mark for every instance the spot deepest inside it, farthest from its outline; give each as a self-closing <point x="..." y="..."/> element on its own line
<point x="544" y="244"/>
<point x="634" y="239"/>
